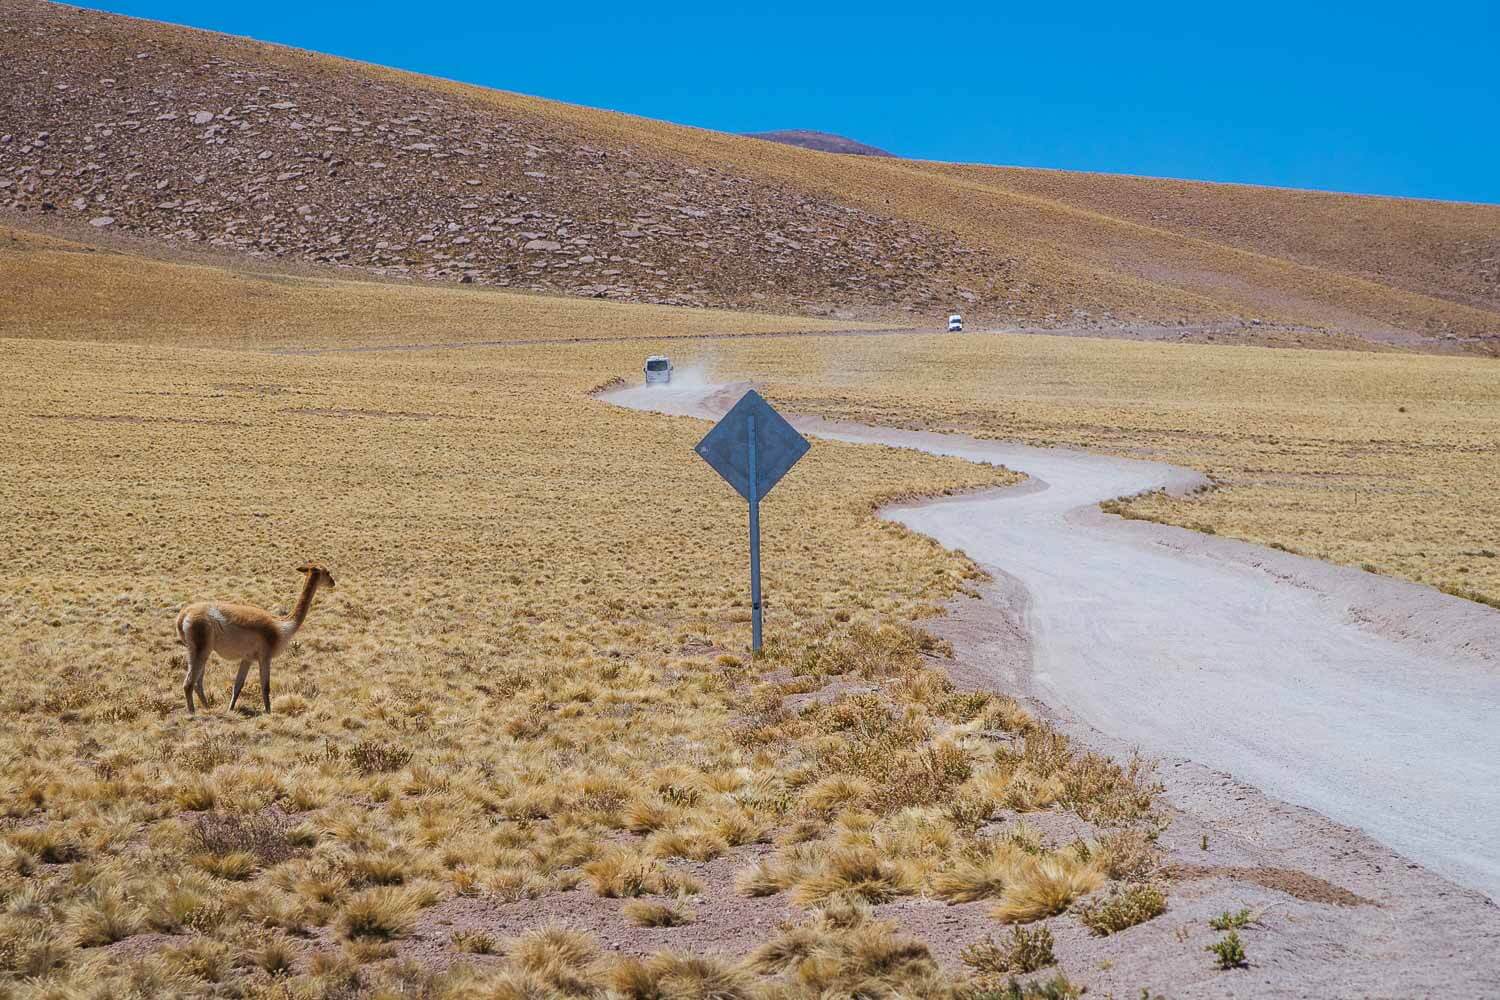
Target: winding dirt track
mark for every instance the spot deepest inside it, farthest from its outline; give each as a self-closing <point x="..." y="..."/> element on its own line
<point x="1373" y="701"/>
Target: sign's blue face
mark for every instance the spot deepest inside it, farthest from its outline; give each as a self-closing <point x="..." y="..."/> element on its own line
<point x="777" y="446"/>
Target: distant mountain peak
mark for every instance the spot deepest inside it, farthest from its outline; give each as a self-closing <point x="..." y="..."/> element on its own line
<point x="825" y="142"/>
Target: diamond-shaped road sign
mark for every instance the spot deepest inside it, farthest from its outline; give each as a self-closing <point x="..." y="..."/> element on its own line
<point x="752" y="447"/>
<point x="777" y="446"/>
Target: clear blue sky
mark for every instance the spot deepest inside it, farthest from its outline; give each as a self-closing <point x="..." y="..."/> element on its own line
<point x="1373" y="98"/>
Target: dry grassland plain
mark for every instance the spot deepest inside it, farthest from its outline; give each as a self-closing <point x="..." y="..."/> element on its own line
<point x="528" y="696"/>
<point x="58" y="289"/>
<point x="1387" y="461"/>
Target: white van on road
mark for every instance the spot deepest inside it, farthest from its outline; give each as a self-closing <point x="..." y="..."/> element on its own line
<point x="658" y="370"/>
<point x="955" y="323"/>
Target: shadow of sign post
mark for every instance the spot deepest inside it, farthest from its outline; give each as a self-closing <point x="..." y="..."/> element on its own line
<point x="752" y="447"/>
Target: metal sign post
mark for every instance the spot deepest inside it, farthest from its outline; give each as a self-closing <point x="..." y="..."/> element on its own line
<point x="752" y="447"/>
<point x="754" y="546"/>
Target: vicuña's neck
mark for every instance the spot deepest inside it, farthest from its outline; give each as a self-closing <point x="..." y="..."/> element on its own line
<point x="304" y="602"/>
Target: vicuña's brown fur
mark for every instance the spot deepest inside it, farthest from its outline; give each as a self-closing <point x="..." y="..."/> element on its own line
<point x="244" y="633"/>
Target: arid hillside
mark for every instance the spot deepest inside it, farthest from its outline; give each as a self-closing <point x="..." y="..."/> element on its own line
<point x="195" y="139"/>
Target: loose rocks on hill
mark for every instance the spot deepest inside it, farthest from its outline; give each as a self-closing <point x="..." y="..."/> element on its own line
<point x="201" y="139"/>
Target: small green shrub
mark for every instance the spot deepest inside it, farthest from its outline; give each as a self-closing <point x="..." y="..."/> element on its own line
<point x="1056" y="988"/>
<point x="474" y="943"/>
<point x="374" y="757"/>
<point x="1027" y="951"/>
<point x="263" y="836"/>
<point x="1229" y="950"/>
<point x="1227" y="921"/>
<point x="207" y="753"/>
<point x="1123" y="908"/>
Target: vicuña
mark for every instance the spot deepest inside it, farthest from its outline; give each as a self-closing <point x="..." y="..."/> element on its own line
<point x="244" y="633"/>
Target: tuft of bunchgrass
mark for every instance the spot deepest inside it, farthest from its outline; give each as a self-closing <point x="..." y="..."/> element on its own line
<point x="48" y="844"/>
<point x="234" y="867"/>
<point x="647" y="913"/>
<point x="1042" y="887"/>
<point x="566" y="961"/>
<point x="980" y="873"/>
<point x="109" y="915"/>
<point x="851" y="872"/>
<point x="1131" y="855"/>
<point x="668" y="976"/>
<point x="841" y="951"/>
<point x="381" y="913"/>
<point x="274" y="955"/>
<point x="203" y="958"/>
<point x="30" y="947"/>
<point x="624" y="873"/>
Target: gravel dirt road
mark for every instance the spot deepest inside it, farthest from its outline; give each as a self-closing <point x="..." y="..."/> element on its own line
<point x="1372" y="701"/>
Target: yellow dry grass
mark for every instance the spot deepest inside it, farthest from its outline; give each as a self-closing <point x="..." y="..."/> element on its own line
<point x="57" y="289"/>
<point x="530" y="680"/>
<point x="1447" y="247"/>
<point x="1386" y="460"/>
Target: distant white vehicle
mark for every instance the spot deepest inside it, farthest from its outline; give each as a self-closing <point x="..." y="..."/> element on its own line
<point x="955" y="323"/>
<point x="658" y="370"/>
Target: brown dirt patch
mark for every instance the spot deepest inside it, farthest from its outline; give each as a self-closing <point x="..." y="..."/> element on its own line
<point x="1297" y="884"/>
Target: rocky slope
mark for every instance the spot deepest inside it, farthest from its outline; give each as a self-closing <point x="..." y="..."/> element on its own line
<point x="191" y="137"/>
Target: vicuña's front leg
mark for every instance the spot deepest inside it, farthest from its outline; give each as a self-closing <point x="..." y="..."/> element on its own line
<point x="265" y="682"/>
<point x="239" y="682"/>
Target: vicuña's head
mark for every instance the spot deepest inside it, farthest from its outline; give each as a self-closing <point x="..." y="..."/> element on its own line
<point x="319" y="572"/>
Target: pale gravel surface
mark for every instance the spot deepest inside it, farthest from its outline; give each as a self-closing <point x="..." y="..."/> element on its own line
<point x="1308" y="716"/>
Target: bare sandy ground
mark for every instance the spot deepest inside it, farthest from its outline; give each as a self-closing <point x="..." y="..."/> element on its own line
<point x="1308" y="716"/>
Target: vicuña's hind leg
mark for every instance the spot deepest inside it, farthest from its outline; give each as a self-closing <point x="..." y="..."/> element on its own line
<point x="194" y="635"/>
<point x="197" y="660"/>
<point x="198" y="686"/>
<point x="187" y="686"/>
<point x="239" y="682"/>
